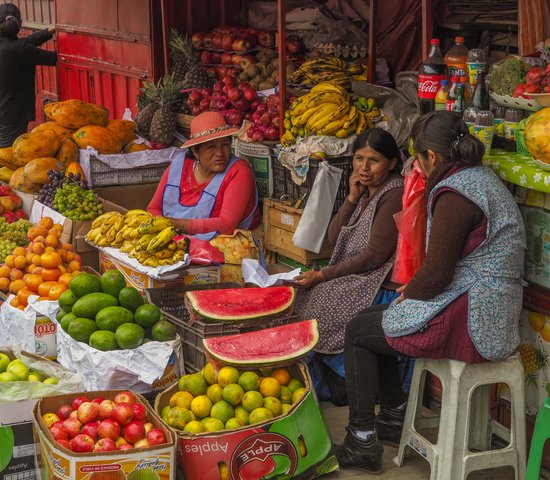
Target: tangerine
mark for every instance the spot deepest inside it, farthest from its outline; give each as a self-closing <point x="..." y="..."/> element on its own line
<point x="17" y="251"/>
<point x="46" y="222"/>
<point x="49" y="249"/>
<point x="37" y="270"/>
<point x="38" y="248"/>
<point x="74" y="265"/>
<point x="55" y="232"/>
<point x="14" y="302"/>
<point x="15" y="274"/>
<point x="23" y="296"/>
<point x="39" y="239"/>
<point x="65" y="279"/>
<point x="57" y="290"/>
<point x="4" y="284"/>
<point x="41" y="231"/>
<point x="28" y="257"/>
<point x="50" y="259"/>
<point x="9" y="261"/>
<point x="68" y="247"/>
<point x="4" y="271"/>
<point x="20" y="262"/>
<point x="51" y="241"/>
<point x="16" y="285"/>
<point x="281" y="375"/>
<point x="33" y="281"/>
<point x="51" y="274"/>
<point x="36" y="260"/>
<point x="45" y="287"/>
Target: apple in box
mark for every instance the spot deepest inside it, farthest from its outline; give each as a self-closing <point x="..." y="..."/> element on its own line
<point x="87" y="412"/>
<point x="105" y="445"/>
<point x="266" y="39"/>
<point x="215" y="57"/>
<point x="227" y="59"/>
<point x="197" y="39"/>
<point x="122" y="413"/>
<point x="217" y="41"/>
<point x="91" y="429"/>
<point x="206" y="57"/>
<point x="227" y="42"/>
<point x="133" y="431"/>
<point x="109" y="429"/>
<point x="125" y="397"/>
<point x="73" y="426"/>
<point x="82" y="443"/>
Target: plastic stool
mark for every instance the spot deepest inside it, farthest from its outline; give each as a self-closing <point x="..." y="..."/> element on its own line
<point x="464" y="420"/>
<point x="540" y="435"/>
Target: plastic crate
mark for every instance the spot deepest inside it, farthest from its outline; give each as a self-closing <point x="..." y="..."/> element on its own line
<point x="104" y="175"/>
<point x="520" y="143"/>
<point x="171" y="300"/>
<point x="285" y="188"/>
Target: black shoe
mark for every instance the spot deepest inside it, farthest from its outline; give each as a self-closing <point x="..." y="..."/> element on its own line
<point x="364" y="454"/>
<point x="389" y="425"/>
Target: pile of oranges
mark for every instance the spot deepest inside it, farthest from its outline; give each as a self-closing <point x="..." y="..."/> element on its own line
<point x="44" y="267"/>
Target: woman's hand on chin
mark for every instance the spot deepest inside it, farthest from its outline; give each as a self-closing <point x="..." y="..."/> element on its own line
<point x="309" y="279"/>
<point x="181" y="224"/>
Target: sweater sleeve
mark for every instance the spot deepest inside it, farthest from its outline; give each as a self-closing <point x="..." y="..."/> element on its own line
<point x="453" y="219"/>
<point x="382" y="240"/>
<point x="155" y="205"/>
<point x="37" y="56"/>
<point x="339" y="220"/>
<point x="39" y="37"/>
<point x="239" y="191"/>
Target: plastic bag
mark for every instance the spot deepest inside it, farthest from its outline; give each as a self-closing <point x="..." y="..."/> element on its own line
<point x="411" y="223"/>
<point x="202" y="252"/>
<point x="236" y="247"/>
<point x="312" y="227"/>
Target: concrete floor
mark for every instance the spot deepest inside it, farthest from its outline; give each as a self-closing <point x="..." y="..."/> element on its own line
<point x="414" y="468"/>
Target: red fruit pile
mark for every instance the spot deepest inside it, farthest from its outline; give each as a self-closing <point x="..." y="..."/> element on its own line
<point x="235" y="102"/>
<point x="101" y="425"/>
<point x="537" y="80"/>
<point x="10" y="205"/>
<point x="234" y="39"/>
<point x="265" y="120"/>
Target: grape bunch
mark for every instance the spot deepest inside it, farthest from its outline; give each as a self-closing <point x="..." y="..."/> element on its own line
<point x="57" y="179"/>
<point x="12" y="235"/>
<point x="76" y="203"/>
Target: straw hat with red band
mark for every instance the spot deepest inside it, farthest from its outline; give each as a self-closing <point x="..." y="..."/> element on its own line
<point x="208" y="126"/>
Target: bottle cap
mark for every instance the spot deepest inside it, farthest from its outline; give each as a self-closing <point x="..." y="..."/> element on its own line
<point x="435" y="41"/>
<point x="454" y="79"/>
<point x="444" y="82"/>
<point x="459" y="39"/>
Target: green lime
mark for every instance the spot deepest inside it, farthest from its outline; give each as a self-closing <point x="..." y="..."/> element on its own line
<point x="66" y="321"/>
<point x="129" y="335"/>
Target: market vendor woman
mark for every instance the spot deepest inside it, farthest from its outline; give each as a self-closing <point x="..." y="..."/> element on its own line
<point x="206" y="190"/>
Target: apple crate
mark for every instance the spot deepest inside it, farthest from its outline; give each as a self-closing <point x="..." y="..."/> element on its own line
<point x="171" y="300"/>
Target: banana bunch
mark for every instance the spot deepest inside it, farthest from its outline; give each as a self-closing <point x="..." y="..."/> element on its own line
<point x="325" y="69"/>
<point x="325" y="110"/>
<point x="158" y="252"/>
<point x="368" y="106"/>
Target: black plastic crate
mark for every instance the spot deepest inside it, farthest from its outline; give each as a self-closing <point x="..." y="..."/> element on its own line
<point x="171" y="300"/>
<point x="285" y="188"/>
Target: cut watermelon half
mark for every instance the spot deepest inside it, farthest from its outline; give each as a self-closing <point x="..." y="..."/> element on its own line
<point x="272" y="346"/>
<point x="239" y="304"/>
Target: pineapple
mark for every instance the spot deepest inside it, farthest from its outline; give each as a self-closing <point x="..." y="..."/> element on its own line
<point x="185" y="64"/>
<point x="533" y="359"/>
<point x="163" y="124"/>
<point x="147" y="105"/>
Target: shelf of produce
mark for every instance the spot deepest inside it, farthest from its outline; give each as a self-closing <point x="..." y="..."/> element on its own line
<point x="519" y="169"/>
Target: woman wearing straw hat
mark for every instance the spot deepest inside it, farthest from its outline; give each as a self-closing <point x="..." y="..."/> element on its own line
<point x="206" y="190"/>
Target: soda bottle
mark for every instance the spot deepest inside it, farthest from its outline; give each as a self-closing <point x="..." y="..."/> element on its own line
<point x="475" y="63"/>
<point x="456" y="58"/>
<point x="459" y="104"/>
<point x="468" y="92"/>
<point x="441" y="96"/>
<point x="480" y="99"/>
<point x="451" y="96"/>
<point x="429" y="78"/>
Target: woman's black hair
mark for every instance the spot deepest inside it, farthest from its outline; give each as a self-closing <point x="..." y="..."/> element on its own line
<point x="10" y="20"/>
<point x="381" y="141"/>
<point x="446" y="134"/>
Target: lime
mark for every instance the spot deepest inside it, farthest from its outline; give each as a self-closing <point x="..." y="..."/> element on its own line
<point x="164" y="412"/>
<point x="201" y="406"/>
<point x="112" y="282"/>
<point x="67" y="299"/>
<point x="209" y="373"/>
<point x="51" y="381"/>
<point x="233" y="394"/>
<point x="177" y="417"/>
<point x="249" y="381"/>
<point x="214" y="393"/>
<point x="252" y="400"/>
<point x="4" y="362"/>
<point x="194" y="383"/>
<point x="163" y="331"/>
<point x="147" y="315"/>
<point x="212" y="424"/>
<point x="194" y="427"/>
<point x="129" y="335"/>
<point x="181" y="399"/>
<point x="233" y="423"/>
<point x="222" y="411"/>
<point x="227" y="375"/>
<point x="259" y="415"/>
<point x="273" y="405"/>
<point x="130" y="298"/>
<point x="294" y="383"/>
<point x="285" y="395"/>
<point x="103" y="340"/>
<point x="81" y="329"/>
<point x="60" y="315"/>
<point x="285" y="407"/>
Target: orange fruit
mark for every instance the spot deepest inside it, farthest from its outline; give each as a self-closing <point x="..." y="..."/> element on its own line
<point x="50" y="249"/>
<point x="14" y="302"/>
<point x="281" y="375"/>
<point x="23" y="296"/>
<point x="41" y="231"/>
<point x="51" y="241"/>
<point x="51" y="274"/>
<point x="74" y="265"/>
<point x="17" y="251"/>
<point x="29" y="268"/>
<point x="38" y="248"/>
<point x="33" y="281"/>
<point x="28" y="257"/>
<point x="16" y="285"/>
<point x="20" y="262"/>
<point x="46" y="222"/>
<point x="4" y="271"/>
<point x="57" y="290"/>
<point x="69" y="256"/>
<point x="50" y="259"/>
<point x="4" y="284"/>
<point x="36" y="260"/>
<point x="37" y="270"/>
<point x="45" y="287"/>
<point x="68" y="247"/>
<point x="15" y="274"/>
<point x="65" y="279"/>
<point x="9" y="261"/>
<point x="55" y="232"/>
<point x="39" y="239"/>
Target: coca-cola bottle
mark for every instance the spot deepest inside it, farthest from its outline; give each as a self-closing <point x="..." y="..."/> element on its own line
<point x="431" y="73"/>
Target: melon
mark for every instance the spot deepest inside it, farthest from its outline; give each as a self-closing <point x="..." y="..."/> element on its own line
<point x="537" y="137"/>
<point x="239" y="304"/>
<point x="271" y="346"/>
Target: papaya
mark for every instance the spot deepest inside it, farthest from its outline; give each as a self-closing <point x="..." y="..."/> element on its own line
<point x="6" y="158"/>
<point x="537" y="137"/>
<point x="35" y="145"/>
<point x="60" y="131"/>
<point x="68" y="152"/>
<point x="75" y="114"/>
<point x="74" y="167"/>
<point x="135" y="147"/>
<point x="125" y="130"/>
<point x="19" y="182"/>
<point x="100" y="138"/>
<point x="5" y="174"/>
<point x="36" y="171"/>
<point x="48" y="108"/>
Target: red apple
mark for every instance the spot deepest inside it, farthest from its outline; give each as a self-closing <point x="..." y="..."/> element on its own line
<point x="227" y="59"/>
<point x="293" y="46"/>
<point x="215" y="57"/>
<point x="109" y="429"/>
<point x="242" y="45"/>
<point x="74" y="414"/>
<point x="105" y="409"/>
<point x="73" y="426"/>
<point x="227" y="42"/>
<point x="58" y="424"/>
<point x="242" y="105"/>
<point x="244" y="85"/>
<point x="236" y="59"/>
<point x="251" y="38"/>
<point x="254" y="104"/>
<point x="88" y="412"/>
<point x="156" y="436"/>
<point x="266" y="39"/>
<point x="232" y="72"/>
<point x="197" y="39"/>
<point x="140" y="413"/>
<point x="247" y="60"/>
<point x="265" y="119"/>
<point x="229" y="80"/>
<point x="59" y="433"/>
<point x="134" y="431"/>
<point x="64" y="443"/>
<point x="258" y="136"/>
<point x="207" y="40"/>
<point x="141" y="443"/>
<point x="205" y="104"/>
<point x="248" y="116"/>
<point x="250" y="94"/>
<point x="125" y="397"/>
<point x="122" y="413"/>
<point x="206" y="57"/>
<point x="234" y="117"/>
<point x="98" y="400"/>
<point x="148" y="426"/>
<point x="221" y="71"/>
<point x="82" y="443"/>
<point x="217" y="41"/>
<point x="79" y="401"/>
<point x="91" y="429"/>
<point x="233" y="94"/>
<point x="195" y="97"/>
<point x="218" y="86"/>
<point x="126" y="446"/>
<point x="64" y="411"/>
<point x="262" y="108"/>
<point x="105" y="445"/>
<point x="272" y="133"/>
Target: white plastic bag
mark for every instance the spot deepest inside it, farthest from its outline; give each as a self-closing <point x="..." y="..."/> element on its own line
<point x="314" y="222"/>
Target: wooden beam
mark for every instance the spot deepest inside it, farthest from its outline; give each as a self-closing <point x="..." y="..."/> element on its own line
<point x="373" y="30"/>
<point x="427" y="26"/>
<point x="281" y="30"/>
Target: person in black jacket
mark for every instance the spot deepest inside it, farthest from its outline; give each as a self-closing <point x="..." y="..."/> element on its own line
<point x="18" y="59"/>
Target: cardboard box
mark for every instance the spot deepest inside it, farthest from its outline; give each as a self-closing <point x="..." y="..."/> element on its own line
<point x="59" y="463"/>
<point x="259" y="156"/>
<point x="280" y="223"/>
<point x="141" y="281"/>
<point x="296" y="445"/>
<point x="129" y="196"/>
<point x="292" y="264"/>
<point x="537" y="257"/>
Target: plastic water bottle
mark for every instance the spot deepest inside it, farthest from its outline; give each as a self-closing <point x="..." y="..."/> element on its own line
<point x="476" y="62"/>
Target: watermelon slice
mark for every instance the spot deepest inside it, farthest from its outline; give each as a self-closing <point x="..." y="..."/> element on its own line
<point x="238" y="304"/>
<point x="272" y="346"/>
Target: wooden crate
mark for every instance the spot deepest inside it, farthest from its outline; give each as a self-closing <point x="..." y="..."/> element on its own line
<point x="183" y="121"/>
<point x="280" y="223"/>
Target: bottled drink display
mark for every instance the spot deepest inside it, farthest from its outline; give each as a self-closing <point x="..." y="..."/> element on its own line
<point x="480" y="99"/>
<point x="459" y="104"/>
<point x="431" y="73"/>
<point x="441" y="96"/>
<point x="499" y="112"/>
<point x="476" y="62"/>
<point x="468" y="91"/>
<point x="512" y="117"/>
<point x="451" y="96"/>
<point x="456" y="58"/>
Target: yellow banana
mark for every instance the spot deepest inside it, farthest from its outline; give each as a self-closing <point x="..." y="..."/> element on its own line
<point x="287" y="139"/>
<point x="329" y="87"/>
<point x="352" y="117"/>
<point x="137" y="220"/>
<point x="151" y="262"/>
<point x="325" y="97"/>
<point x="127" y="246"/>
<point x="336" y="114"/>
<point x="107" y="224"/>
<point x="161" y="239"/>
<point x="119" y="238"/>
<point x="155" y="225"/>
<point x="131" y="213"/>
<point x="343" y="133"/>
<point x="300" y="120"/>
<point x="142" y="243"/>
<point x="332" y="127"/>
<point x="102" y="218"/>
<point x="375" y="114"/>
<point x="183" y="244"/>
<point x="164" y="253"/>
<point x="322" y="113"/>
<point x="93" y="234"/>
<point x="361" y="123"/>
<point x="119" y="223"/>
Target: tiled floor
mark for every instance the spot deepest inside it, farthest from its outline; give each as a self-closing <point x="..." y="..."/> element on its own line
<point x="414" y="468"/>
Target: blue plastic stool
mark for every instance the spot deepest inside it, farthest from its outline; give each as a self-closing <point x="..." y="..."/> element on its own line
<point x="540" y="435"/>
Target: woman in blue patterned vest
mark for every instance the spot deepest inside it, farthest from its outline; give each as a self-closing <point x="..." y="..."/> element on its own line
<point x="463" y="303"/>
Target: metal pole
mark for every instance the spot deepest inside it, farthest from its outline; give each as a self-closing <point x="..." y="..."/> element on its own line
<point x="373" y="27"/>
<point x="165" y="34"/>
<point x="427" y="26"/>
<point x="281" y="20"/>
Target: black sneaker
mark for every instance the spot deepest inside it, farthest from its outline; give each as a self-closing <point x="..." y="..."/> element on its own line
<point x="358" y="453"/>
<point x="389" y="425"/>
